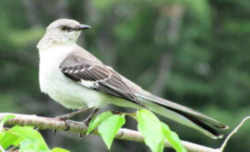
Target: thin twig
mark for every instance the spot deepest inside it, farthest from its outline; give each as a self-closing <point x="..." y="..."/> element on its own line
<point x="79" y="127"/>
<point x="221" y="149"/>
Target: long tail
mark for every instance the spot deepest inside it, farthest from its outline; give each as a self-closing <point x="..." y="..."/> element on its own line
<point x="183" y="115"/>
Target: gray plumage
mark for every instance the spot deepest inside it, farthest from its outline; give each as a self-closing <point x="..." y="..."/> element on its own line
<point x="75" y="78"/>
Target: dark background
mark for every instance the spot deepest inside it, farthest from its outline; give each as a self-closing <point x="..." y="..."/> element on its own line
<point x="194" y="52"/>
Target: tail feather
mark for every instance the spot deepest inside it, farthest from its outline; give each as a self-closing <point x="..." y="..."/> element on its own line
<point x="183" y="115"/>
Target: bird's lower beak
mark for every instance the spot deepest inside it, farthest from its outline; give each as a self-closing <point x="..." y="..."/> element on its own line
<point x="84" y="27"/>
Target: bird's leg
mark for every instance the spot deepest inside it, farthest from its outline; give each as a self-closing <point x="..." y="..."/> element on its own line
<point x="87" y="120"/>
<point x="90" y="116"/>
<point x="72" y="114"/>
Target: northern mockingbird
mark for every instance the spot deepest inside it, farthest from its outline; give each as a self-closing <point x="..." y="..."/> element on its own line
<point x="75" y="78"/>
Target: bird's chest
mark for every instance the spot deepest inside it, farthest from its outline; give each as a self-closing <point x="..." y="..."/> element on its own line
<point x="50" y="75"/>
<point x="60" y="88"/>
<point x="54" y="83"/>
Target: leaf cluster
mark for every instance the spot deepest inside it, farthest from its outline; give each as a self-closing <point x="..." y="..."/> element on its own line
<point x="23" y="138"/>
<point x="154" y="131"/>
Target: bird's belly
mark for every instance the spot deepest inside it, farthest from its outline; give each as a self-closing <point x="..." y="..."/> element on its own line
<point x="75" y="98"/>
<point x="67" y="92"/>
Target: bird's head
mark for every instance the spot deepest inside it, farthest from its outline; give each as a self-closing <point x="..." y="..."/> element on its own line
<point x="63" y="31"/>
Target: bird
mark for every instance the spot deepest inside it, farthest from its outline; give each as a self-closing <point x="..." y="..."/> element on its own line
<point x="76" y="79"/>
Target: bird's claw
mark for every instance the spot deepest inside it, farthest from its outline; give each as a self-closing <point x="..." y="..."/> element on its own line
<point x="67" y="125"/>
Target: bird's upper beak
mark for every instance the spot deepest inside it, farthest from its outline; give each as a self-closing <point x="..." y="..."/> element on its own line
<point x="84" y="27"/>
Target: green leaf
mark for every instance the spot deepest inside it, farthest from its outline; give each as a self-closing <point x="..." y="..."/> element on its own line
<point x="7" y="139"/>
<point x="1" y="136"/>
<point x="109" y="128"/>
<point x="27" y="139"/>
<point x="150" y="127"/>
<point x="6" y="118"/>
<point x="29" y="145"/>
<point x="30" y="138"/>
<point x="59" y="150"/>
<point x="97" y="120"/>
<point x="173" y="138"/>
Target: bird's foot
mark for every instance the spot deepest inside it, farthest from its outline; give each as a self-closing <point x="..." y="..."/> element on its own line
<point x="67" y="116"/>
<point x="67" y="125"/>
<point x="72" y="114"/>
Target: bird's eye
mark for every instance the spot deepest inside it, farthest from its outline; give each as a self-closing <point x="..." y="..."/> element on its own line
<point x="66" y="28"/>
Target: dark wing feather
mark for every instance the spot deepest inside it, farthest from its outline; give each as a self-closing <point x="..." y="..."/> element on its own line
<point x="107" y="80"/>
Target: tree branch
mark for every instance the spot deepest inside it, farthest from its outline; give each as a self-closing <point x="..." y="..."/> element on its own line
<point x="79" y="127"/>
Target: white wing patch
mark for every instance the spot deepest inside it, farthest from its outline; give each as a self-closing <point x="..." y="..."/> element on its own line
<point x="89" y="84"/>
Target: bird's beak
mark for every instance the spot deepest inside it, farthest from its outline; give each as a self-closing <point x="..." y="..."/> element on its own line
<point x="84" y="27"/>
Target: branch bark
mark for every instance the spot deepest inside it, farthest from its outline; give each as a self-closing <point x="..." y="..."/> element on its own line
<point x="46" y="123"/>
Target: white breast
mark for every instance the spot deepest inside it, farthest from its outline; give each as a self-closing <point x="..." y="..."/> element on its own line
<point x="60" y="88"/>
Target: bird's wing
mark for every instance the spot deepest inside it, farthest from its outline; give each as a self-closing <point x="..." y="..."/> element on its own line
<point x="92" y="73"/>
<point x="96" y="75"/>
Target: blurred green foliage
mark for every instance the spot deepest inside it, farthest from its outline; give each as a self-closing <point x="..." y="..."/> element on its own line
<point x="194" y="52"/>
